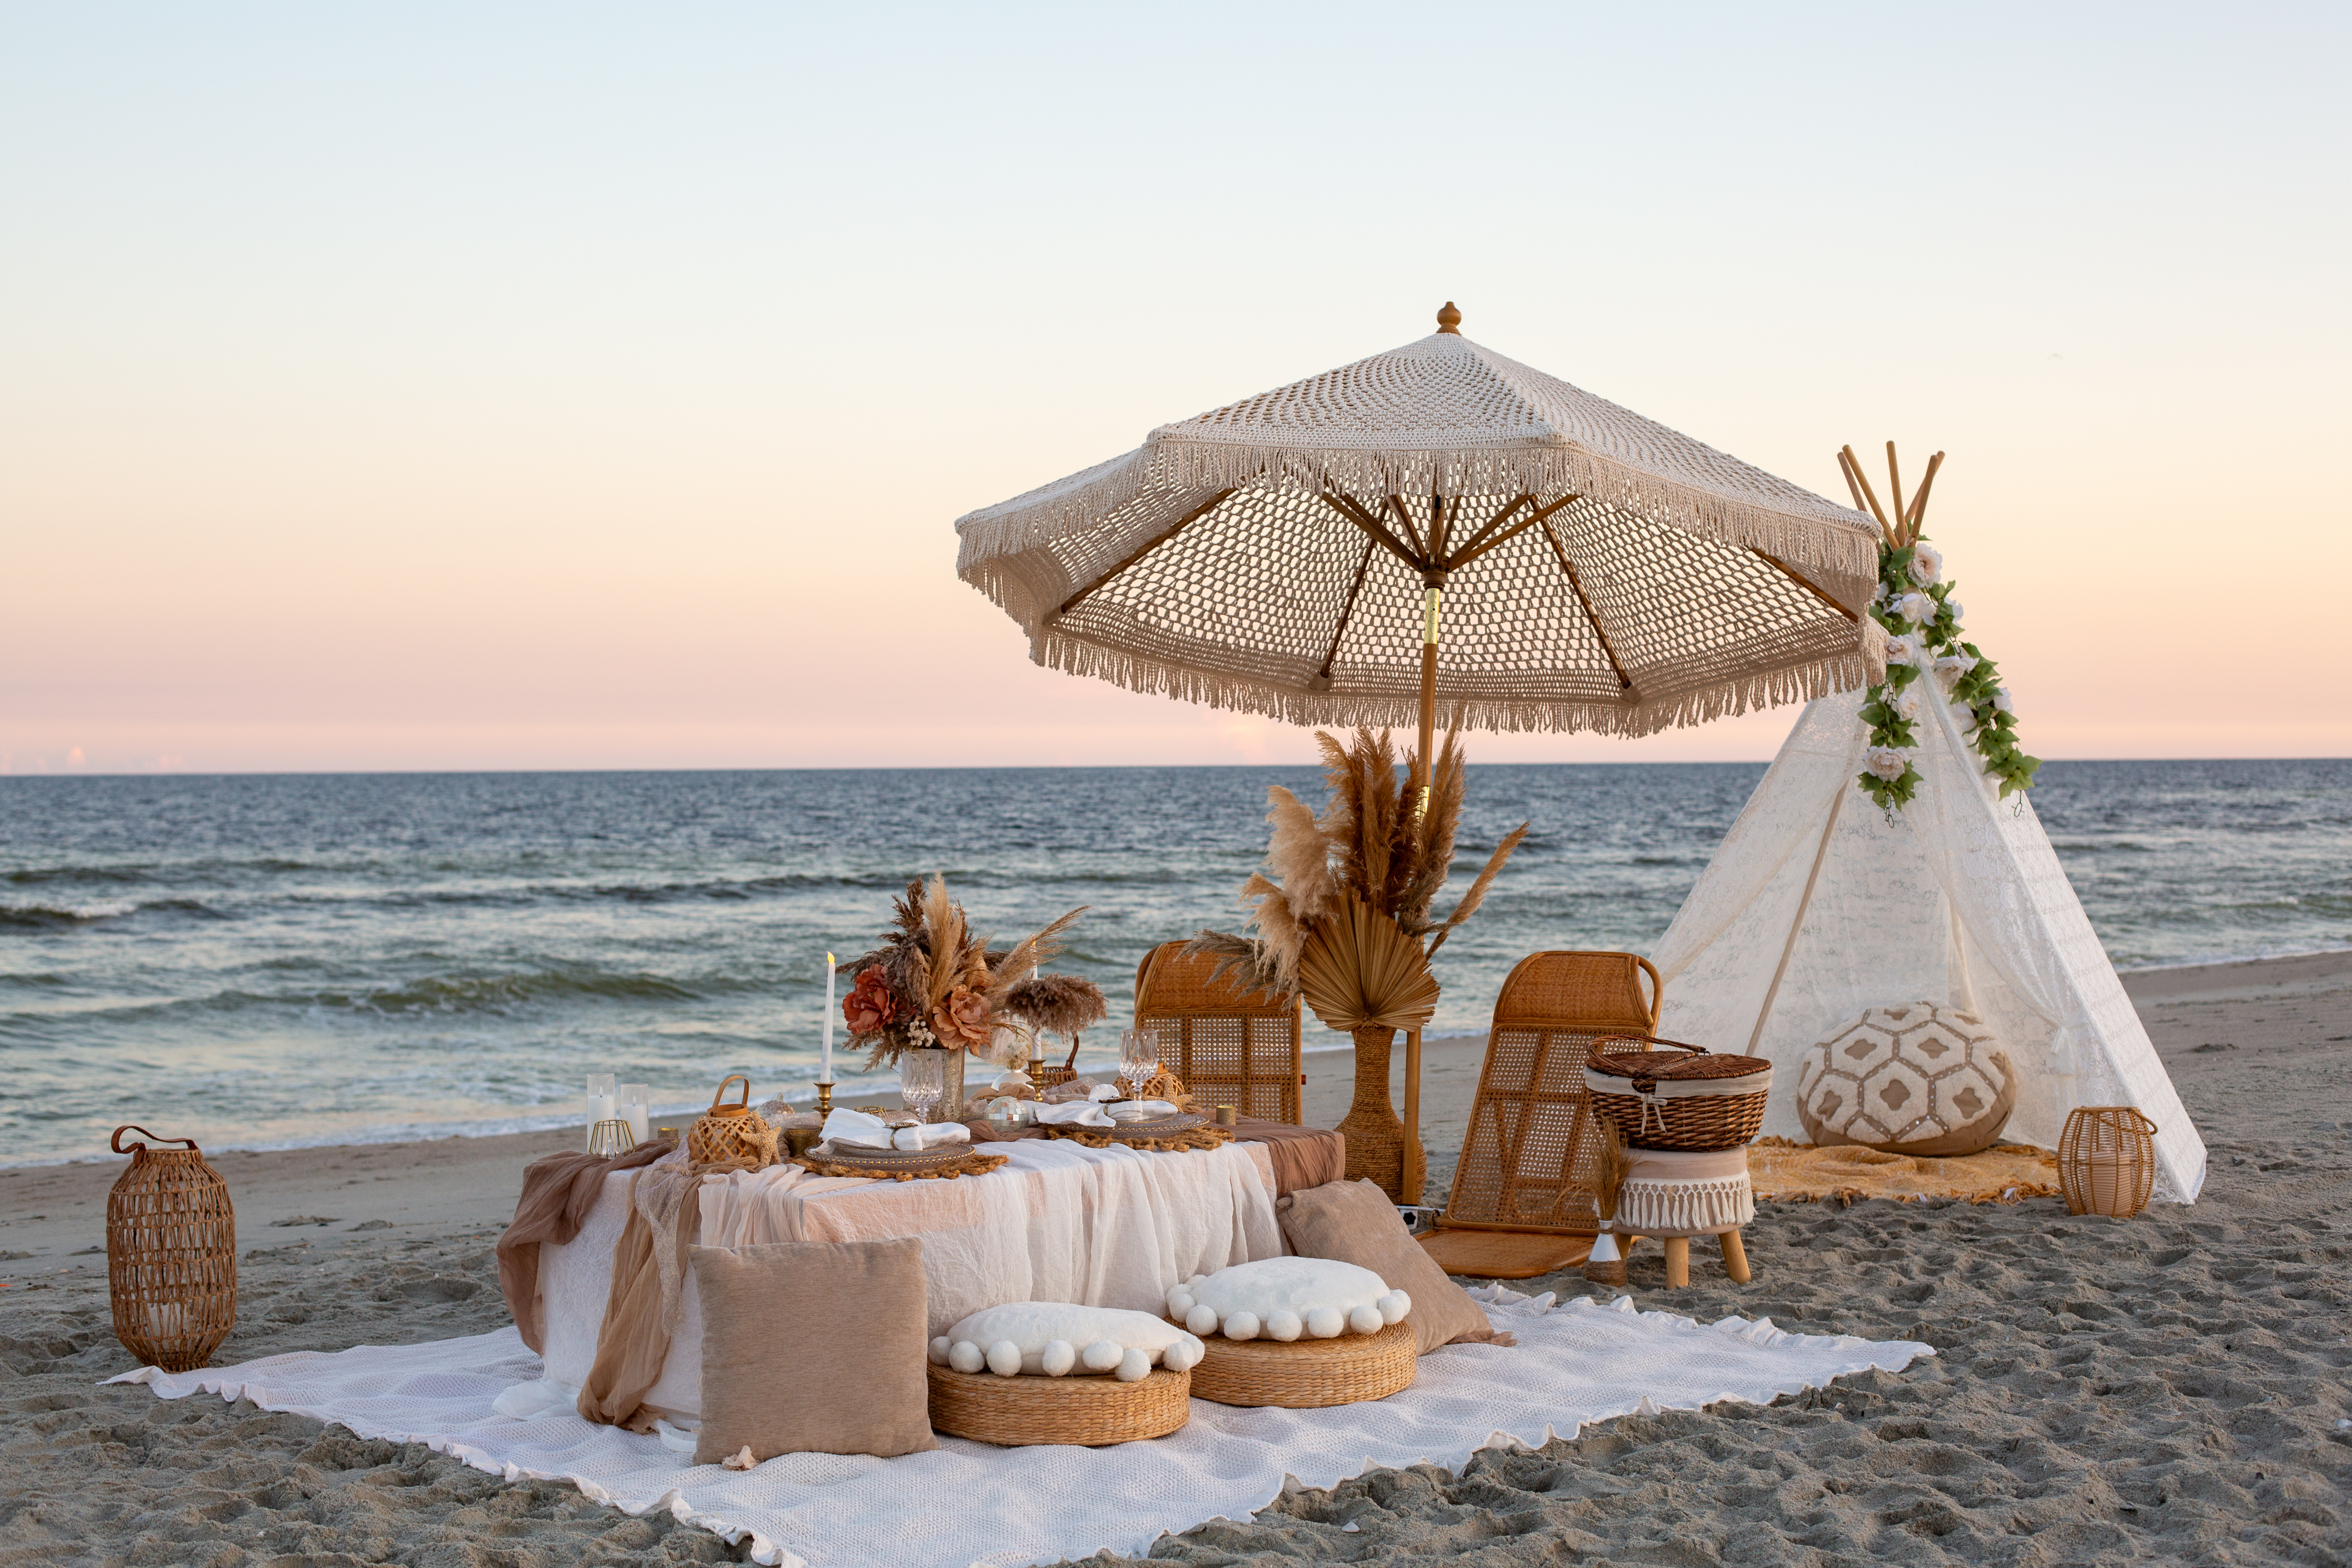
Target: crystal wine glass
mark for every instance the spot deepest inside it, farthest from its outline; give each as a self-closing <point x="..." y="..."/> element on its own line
<point x="1139" y="1058"/>
<point x="922" y="1079"/>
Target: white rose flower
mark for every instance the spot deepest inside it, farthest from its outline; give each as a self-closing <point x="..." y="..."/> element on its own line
<point x="1954" y="606"/>
<point x="1916" y="608"/>
<point x="1905" y="648"/>
<point x="1951" y="666"/>
<point x="1887" y="762"/>
<point x="2002" y="703"/>
<point x="1927" y="564"/>
<point x="1906" y="707"/>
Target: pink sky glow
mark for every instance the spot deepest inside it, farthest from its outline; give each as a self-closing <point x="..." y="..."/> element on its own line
<point x="416" y="390"/>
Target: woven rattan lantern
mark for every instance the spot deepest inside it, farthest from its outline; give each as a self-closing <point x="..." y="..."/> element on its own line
<point x="2106" y="1161"/>
<point x="171" y="1253"/>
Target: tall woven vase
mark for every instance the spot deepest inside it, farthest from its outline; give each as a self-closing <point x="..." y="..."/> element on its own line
<point x="1374" y="1131"/>
<point x="171" y="1253"/>
<point x="2106" y="1161"/>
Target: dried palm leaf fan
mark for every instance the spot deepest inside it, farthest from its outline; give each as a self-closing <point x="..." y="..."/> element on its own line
<point x="1349" y="927"/>
<point x="1287" y="555"/>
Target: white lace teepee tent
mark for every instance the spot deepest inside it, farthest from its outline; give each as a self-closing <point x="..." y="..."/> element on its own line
<point x="1820" y="904"/>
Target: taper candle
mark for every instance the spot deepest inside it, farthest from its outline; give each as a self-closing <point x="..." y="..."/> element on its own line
<point x="825" y="1073"/>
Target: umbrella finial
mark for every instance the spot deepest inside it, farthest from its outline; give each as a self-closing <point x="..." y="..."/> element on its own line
<point x="1449" y="320"/>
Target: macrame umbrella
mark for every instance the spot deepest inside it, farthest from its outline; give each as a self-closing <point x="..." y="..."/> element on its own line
<point x="1287" y="555"/>
<point x="1438" y="534"/>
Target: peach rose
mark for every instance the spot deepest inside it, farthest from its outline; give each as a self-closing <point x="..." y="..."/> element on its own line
<point x="868" y="1007"/>
<point x="964" y="1019"/>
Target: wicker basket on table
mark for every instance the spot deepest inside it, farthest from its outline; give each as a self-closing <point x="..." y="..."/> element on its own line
<point x="1304" y="1375"/>
<point x="171" y="1253"/>
<point x="1694" y="1104"/>
<point x="1086" y="1412"/>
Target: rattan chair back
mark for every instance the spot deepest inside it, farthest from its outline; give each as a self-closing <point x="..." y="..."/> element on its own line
<point x="1531" y="1144"/>
<point x="1231" y="1046"/>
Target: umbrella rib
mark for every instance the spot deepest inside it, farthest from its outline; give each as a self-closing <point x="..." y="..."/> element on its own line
<point x="1347" y="506"/>
<point x="1348" y="609"/>
<point x="1470" y="551"/>
<point x="1801" y="580"/>
<point x="1075" y="600"/>
<point x="1625" y="681"/>
<point x="1474" y="549"/>
<point x="1412" y="534"/>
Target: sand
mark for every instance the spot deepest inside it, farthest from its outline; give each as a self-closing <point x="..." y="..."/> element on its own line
<point x="2171" y="1388"/>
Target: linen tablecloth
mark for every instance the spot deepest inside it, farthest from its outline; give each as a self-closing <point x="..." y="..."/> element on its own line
<point x="1061" y="1222"/>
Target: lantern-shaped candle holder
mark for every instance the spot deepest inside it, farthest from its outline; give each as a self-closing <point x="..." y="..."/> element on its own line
<point x="2106" y="1161"/>
<point x="171" y="1253"/>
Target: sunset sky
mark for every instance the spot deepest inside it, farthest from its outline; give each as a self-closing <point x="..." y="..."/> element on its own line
<point x="572" y="386"/>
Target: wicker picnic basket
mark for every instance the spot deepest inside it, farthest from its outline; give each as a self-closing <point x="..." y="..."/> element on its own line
<point x="727" y="1133"/>
<point x="171" y="1253"/>
<point x="1695" y="1103"/>
<point x="2106" y="1161"/>
<point x="1088" y="1412"/>
<point x="1301" y="1375"/>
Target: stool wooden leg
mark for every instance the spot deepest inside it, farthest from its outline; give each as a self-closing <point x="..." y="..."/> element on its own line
<point x="1677" y="1262"/>
<point x="1735" y="1258"/>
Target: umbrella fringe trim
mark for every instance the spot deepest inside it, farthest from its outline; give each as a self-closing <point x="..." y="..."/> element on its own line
<point x="1764" y="689"/>
<point x="1043" y="515"/>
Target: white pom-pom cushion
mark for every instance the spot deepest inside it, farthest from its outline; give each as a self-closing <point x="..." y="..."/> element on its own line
<point x="1909" y="1079"/>
<point x="1288" y="1298"/>
<point x="1056" y="1339"/>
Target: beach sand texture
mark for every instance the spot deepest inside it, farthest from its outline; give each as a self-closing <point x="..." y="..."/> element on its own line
<point x="2172" y="1388"/>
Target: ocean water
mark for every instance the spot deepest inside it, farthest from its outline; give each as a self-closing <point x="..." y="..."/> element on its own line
<point x="263" y="961"/>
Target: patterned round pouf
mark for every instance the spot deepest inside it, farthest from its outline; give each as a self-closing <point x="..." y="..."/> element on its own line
<point x="1909" y="1079"/>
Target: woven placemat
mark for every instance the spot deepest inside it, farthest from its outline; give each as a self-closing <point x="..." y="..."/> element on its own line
<point x="1205" y="1135"/>
<point x="904" y="1165"/>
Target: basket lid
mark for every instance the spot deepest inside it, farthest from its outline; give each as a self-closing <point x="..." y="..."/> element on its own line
<point x="1662" y="1067"/>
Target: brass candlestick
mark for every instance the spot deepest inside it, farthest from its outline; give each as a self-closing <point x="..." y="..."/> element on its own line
<point x="824" y="1099"/>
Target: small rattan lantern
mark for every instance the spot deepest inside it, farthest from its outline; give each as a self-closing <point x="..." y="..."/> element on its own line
<point x="171" y="1253"/>
<point x="2106" y="1161"/>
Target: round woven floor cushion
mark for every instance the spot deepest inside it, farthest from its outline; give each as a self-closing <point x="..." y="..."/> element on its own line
<point x="1909" y="1079"/>
<point x="1089" y="1412"/>
<point x="1302" y="1375"/>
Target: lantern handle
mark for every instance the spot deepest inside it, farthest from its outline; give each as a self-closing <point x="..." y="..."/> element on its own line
<point x="116" y="1142"/>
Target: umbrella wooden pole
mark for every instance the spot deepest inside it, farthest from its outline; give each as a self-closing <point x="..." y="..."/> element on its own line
<point x="1422" y="759"/>
<point x="1416" y="1160"/>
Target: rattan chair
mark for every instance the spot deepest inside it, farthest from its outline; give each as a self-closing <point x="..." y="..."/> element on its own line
<point x="1519" y="1205"/>
<point x="1230" y="1047"/>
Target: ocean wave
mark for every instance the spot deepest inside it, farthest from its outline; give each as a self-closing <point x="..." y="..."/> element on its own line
<point x="53" y="917"/>
<point x="66" y="916"/>
<point x="498" y="992"/>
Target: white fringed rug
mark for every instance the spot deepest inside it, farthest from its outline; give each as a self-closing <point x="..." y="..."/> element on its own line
<point x="1005" y="1508"/>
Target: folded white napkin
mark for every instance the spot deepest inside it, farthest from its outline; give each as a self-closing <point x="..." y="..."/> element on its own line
<point x="856" y="1129"/>
<point x="1073" y="1114"/>
<point x="1141" y="1110"/>
<point x="1104" y="1092"/>
<point x="935" y="1136"/>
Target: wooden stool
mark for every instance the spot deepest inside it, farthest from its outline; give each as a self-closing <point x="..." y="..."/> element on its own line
<point x="1675" y="1196"/>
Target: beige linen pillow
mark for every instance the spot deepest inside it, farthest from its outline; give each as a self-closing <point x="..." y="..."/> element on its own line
<point x="1354" y="1222"/>
<point x="813" y="1347"/>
